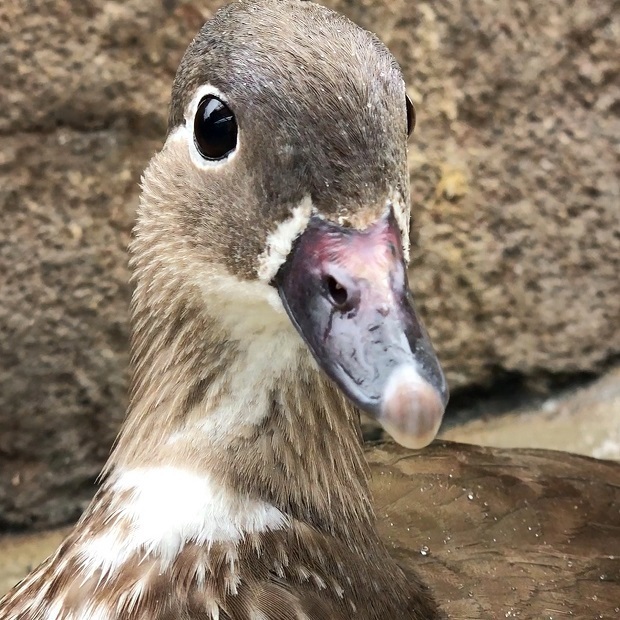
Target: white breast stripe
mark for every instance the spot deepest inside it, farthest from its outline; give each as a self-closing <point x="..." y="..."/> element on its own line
<point x="280" y="241"/>
<point x="171" y="506"/>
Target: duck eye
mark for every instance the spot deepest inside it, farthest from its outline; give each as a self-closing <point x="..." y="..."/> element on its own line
<point x="410" y="116"/>
<point x="215" y="128"/>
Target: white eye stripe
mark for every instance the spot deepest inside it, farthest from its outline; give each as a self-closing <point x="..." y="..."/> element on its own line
<point x="187" y="131"/>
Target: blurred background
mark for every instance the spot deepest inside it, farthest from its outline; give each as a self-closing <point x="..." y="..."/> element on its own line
<point x="514" y="167"/>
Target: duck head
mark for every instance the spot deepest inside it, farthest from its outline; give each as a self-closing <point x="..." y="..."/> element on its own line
<point x="284" y="175"/>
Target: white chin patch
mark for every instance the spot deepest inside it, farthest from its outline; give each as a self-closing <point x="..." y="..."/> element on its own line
<point x="280" y="241"/>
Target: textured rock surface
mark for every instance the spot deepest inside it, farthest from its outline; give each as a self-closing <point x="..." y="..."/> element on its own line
<point x="515" y="193"/>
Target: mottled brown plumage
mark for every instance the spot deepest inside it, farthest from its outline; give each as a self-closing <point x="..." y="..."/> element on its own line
<point x="503" y="533"/>
<point x="238" y="487"/>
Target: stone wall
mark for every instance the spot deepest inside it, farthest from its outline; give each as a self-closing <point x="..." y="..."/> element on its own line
<point x="516" y="203"/>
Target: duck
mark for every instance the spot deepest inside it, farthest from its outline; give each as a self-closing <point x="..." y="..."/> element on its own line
<point x="271" y="306"/>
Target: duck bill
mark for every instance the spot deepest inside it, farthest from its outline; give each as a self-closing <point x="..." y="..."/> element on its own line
<point x="347" y="294"/>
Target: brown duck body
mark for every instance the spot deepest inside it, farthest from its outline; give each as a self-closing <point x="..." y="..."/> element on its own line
<point x="325" y="560"/>
<point x="500" y="533"/>
<point x="497" y="533"/>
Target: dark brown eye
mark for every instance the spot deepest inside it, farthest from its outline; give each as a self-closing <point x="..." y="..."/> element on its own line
<point x="215" y="128"/>
<point x="410" y="116"/>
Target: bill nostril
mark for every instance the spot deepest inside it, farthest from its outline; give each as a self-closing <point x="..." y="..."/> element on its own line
<point x="338" y="294"/>
<point x="342" y="291"/>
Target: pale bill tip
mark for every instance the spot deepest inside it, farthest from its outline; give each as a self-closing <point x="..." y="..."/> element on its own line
<point x="412" y="409"/>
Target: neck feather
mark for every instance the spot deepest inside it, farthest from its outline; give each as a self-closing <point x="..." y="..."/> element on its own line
<point x="239" y="472"/>
<point x="242" y="405"/>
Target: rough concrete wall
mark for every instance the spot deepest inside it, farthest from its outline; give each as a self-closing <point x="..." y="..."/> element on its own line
<point x="516" y="203"/>
<point x="515" y="171"/>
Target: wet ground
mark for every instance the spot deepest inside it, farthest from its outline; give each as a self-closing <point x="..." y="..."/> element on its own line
<point x="584" y="420"/>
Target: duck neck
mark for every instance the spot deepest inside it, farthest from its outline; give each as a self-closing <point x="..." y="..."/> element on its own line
<point x="239" y="408"/>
